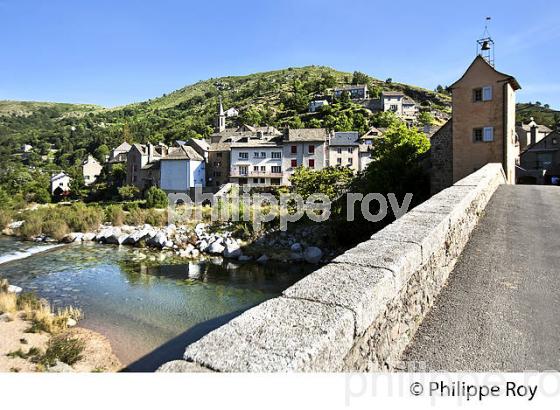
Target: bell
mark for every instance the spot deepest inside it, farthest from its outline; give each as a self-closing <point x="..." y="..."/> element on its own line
<point x="485" y="45"/>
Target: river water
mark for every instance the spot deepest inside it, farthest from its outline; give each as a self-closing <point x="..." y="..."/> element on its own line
<point x="149" y="311"/>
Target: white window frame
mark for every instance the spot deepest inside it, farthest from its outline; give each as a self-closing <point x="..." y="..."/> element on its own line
<point x="487" y="93"/>
<point x="243" y="155"/>
<point x="488" y="134"/>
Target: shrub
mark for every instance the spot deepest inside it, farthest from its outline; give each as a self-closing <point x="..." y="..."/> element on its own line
<point x="136" y="217"/>
<point x="8" y="302"/>
<point x="156" y="198"/>
<point x="5" y="218"/>
<point x="32" y="227"/>
<point x="129" y="192"/>
<point x="115" y="215"/>
<point x="56" y="229"/>
<point x="155" y="218"/>
<point x="130" y="206"/>
<point x="64" y="349"/>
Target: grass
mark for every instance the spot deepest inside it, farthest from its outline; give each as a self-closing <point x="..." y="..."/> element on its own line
<point x="44" y="320"/>
<point x="64" y="349"/>
<point x="5" y="218"/>
<point x="8" y="302"/>
<point x="115" y="215"/>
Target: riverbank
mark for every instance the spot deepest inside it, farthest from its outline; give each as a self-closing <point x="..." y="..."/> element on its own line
<point x="35" y="339"/>
<point x="305" y="244"/>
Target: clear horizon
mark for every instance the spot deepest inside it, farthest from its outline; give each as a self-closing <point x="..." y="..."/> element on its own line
<point x="116" y="54"/>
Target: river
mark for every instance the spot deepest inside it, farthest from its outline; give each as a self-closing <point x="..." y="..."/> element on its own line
<point x="149" y="311"/>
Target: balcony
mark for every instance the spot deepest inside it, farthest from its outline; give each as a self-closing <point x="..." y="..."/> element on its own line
<point x="256" y="174"/>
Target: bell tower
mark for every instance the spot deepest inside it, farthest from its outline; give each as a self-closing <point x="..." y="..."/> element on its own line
<point x="221" y="119"/>
<point x="485" y="45"/>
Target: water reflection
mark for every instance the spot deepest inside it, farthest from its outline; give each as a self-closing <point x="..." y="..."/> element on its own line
<point x="141" y="304"/>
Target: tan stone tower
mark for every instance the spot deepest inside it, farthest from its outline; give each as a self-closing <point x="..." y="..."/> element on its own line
<point x="483" y="127"/>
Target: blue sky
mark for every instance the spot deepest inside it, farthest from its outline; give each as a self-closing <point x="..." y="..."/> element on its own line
<point x="122" y="51"/>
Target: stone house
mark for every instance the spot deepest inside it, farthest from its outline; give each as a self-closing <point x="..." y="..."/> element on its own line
<point x="482" y="128"/>
<point x="530" y="133"/>
<point x="397" y="102"/>
<point x="181" y="170"/>
<point x="118" y="154"/>
<point x="304" y="147"/>
<point x="355" y="92"/>
<point x="539" y="163"/>
<point x="143" y="165"/>
<point x="315" y="105"/>
<point x="91" y="169"/>
<point x="343" y="150"/>
<point x="365" y="147"/>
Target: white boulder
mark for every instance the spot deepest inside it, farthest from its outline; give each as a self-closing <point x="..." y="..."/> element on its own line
<point x="313" y="255"/>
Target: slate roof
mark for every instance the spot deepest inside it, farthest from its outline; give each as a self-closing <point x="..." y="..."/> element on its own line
<point x="183" y="152"/>
<point x="345" y="139"/>
<point x="307" y="134"/>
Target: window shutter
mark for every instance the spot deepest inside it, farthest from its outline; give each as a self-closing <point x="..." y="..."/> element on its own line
<point x="487" y="93"/>
<point x="488" y="134"/>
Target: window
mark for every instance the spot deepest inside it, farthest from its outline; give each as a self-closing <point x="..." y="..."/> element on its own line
<point x="275" y="181"/>
<point x="256" y="168"/>
<point x="350" y="150"/>
<point x="243" y="155"/>
<point x="243" y="170"/>
<point x="263" y="154"/>
<point x="255" y="154"/>
<point x="263" y="168"/>
<point x="349" y="161"/>
<point x="311" y="163"/>
<point x="262" y="180"/>
<point x="311" y="149"/>
<point x="339" y="150"/>
<point x="294" y="163"/>
<point x="477" y="134"/>
<point x="488" y="134"/>
<point x="276" y="154"/>
<point x="477" y="94"/>
<point x="293" y="149"/>
<point x="339" y="161"/>
<point x="276" y="169"/>
<point x="255" y="180"/>
<point x="394" y="108"/>
<point x="487" y="93"/>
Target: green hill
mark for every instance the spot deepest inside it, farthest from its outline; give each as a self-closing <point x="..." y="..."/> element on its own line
<point x="541" y="114"/>
<point x="277" y="98"/>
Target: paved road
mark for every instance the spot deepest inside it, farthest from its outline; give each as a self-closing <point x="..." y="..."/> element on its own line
<point x="500" y="309"/>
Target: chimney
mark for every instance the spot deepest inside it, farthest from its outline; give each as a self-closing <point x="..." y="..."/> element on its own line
<point x="533" y="134"/>
<point x="150" y="152"/>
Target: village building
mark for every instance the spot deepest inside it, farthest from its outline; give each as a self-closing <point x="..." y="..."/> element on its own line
<point x="530" y="133"/>
<point x="482" y="128"/>
<point x="304" y="147"/>
<point x="365" y="147"/>
<point x="256" y="162"/>
<point x="91" y="169"/>
<point x="60" y="184"/>
<point x="355" y="92"/>
<point x="181" y="170"/>
<point x="343" y="150"/>
<point x="143" y="165"/>
<point x="397" y="102"/>
<point x="539" y="163"/>
<point x="232" y="112"/>
<point x="118" y="154"/>
<point x="315" y="105"/>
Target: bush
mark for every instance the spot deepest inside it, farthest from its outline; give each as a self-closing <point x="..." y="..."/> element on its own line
<point x="156" y="198"/>
<point x="56" y="229"/>
<point x="115" y="215"/>
<point x="5" y="218"/>
<point x="155" y="218"/>
<point x="129" y="192"/>
<point x="136" y="217"/>
<point x="64" y="349"/>
<point x="8" y="302"/>
<point x="130" y="206"/>
<point x="32" y="227"/>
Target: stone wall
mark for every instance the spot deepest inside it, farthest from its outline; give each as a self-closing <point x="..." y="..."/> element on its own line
<point x="359" y="312"/>
<point x="441" y="158"/>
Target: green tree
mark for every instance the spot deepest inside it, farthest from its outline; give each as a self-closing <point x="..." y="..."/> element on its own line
<point x="129" y="192"/>
<point x="101" y="153"/>
<point x="156" y="198"/>
<point x="394" y="169"/>
<point x="331" y="181"/>
<point x="426" y="118"/>
<point x="360" y="78"/>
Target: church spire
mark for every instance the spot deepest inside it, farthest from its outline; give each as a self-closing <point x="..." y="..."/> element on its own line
<point x="221" y="120"/>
